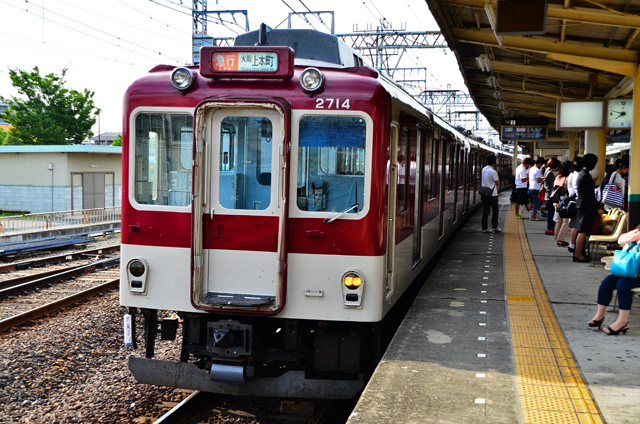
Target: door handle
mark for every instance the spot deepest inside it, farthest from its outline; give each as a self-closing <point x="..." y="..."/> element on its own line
<point x="211" y="213"/>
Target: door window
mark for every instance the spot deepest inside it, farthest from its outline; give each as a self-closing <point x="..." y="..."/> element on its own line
<point x="245" y="162"/>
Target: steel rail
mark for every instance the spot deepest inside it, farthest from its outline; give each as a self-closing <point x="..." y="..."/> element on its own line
<point x="64" y="275"/>
<point x="12" y="282"/>
<point x="189" y="405"/>
<point x="58" y="258"/>
<point x="54" y="306"/>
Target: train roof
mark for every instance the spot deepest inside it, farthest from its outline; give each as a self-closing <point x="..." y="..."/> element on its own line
<point x="307" y="44"/>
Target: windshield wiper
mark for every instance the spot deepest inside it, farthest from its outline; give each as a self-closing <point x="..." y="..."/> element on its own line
<point x="330" y="220"/>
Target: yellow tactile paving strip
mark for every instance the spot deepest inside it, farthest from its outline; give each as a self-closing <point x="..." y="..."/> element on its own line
<point x="550" y="387"/>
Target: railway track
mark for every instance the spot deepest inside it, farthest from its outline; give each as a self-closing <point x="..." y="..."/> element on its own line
<point x="200" y="407"/>
<point x="27" y="297"/>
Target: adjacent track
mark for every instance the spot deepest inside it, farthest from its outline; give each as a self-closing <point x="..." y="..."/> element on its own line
<point x="49" y="291"/>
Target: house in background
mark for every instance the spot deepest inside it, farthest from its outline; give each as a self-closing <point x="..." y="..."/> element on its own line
<point x="58" y="178"/>
<point x="4" y="124"/>
<point x="104" y="139"/>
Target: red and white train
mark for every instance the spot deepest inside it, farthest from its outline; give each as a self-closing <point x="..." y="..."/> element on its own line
<point x="281" y="203"/>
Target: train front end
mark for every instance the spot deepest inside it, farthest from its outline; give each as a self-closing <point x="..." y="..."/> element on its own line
<point x="254" y="208"/>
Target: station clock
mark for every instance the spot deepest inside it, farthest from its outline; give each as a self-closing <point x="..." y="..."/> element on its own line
<point x="619" y="113"/>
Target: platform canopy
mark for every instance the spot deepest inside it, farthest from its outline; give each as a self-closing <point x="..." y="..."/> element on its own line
<point x="586" y="49"/>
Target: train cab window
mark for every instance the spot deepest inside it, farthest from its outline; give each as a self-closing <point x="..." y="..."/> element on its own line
<point x="163" y="156"/>
<point x="331" y="163"/>
<point x="245" y="162"/>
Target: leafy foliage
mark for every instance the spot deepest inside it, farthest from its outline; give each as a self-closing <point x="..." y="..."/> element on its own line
<point x="51" y="113"/>
<point x="117" y="141"/>
<point x="7" y="139"/>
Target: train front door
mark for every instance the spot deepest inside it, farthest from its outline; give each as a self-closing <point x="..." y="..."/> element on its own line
<point x="240" y="218"/>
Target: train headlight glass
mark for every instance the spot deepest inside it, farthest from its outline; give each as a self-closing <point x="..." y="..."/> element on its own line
<point x="352" y="280"/>
<point x="311" y="79"/>
<point x="182" y="78"/>
<point x="137" y="268"/>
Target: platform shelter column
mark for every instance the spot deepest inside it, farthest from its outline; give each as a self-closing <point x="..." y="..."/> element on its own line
<point x="633" y="196"/>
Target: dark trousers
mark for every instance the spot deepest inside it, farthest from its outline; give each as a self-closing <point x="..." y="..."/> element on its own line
<point x="550" y="212"/>
<point x="623" y="285"/>
<point x="490" y="203"/>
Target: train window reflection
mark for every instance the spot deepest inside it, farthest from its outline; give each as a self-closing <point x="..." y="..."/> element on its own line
<point x="245" y="162"/>
<point x="163" y="156"/>
<point x="331" y="163"/>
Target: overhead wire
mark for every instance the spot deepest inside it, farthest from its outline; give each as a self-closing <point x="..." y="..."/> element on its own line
<point x="88" y="34"/>
<point x="152" y="18"/>
<point x="117" y="21"/>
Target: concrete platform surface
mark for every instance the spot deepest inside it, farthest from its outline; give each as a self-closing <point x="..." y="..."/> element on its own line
<point x="452" y="359"/>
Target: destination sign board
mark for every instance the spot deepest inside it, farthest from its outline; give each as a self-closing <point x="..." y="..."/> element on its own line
<point x="246" y="62"/>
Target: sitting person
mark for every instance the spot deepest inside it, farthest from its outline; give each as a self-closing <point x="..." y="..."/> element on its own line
<point x="625" y="295"/>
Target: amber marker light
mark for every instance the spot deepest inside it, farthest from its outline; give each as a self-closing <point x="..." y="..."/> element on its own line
<point x="348" y="281"/>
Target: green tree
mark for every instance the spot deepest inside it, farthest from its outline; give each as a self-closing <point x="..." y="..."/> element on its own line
<point x="51" y="113"/>
<point x="7" y="139"/>
<point x="117" y="141"/>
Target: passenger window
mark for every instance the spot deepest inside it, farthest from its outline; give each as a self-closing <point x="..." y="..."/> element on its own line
<point x="245" y="163"/>
<point x="403" y="168"/>
<point x="163" y="157"/>
<point x="331" y="163"/>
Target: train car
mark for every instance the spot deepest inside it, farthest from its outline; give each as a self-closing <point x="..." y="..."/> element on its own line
<point x="280" y="198"/>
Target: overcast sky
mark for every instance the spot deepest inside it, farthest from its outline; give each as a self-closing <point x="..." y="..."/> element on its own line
<point x="108" y="44"/>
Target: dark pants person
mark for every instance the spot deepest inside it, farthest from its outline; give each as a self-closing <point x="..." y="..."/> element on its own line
<point x="490" y="202"/>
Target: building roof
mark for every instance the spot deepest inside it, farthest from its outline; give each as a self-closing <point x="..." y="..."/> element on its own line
<point x="73" y="148"/>
<point x="106" y="136"/>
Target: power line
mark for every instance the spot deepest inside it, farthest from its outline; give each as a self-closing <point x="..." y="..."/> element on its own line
<point x="85" y="33"/>
<point x="117" y="21"/>
<point x="152" y="18"/>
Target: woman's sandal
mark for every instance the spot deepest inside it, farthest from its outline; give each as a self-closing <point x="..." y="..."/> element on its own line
<point x="613" y="332"/>
<point x="596" y="323"/>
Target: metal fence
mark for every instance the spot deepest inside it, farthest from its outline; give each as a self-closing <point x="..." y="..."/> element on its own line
<point x="57" y="220"/>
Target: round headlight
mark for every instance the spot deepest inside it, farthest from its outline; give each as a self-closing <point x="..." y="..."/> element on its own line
<point x="311" y="79"/>
<point x="136" y="268"/>
<point x="182" y="78"/>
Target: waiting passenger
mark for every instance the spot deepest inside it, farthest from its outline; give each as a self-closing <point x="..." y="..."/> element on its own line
<point x="549" y="177"/>
<point x="490" y="180"/>
<point x="562" y="224"/>
<point x="587" y="205"/>
<point x="625" y="295"/>
<point x="522" y="178"/>
<point x="572" y="186"/>
<point x="535" y="184"/>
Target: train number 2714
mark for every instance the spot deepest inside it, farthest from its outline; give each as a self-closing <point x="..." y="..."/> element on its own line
<point x="332" y="104"/>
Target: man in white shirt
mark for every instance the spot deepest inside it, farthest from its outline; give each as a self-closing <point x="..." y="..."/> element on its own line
<point x="491" y="180"/>
<point x="522" y="180"/>
<point x="535" y="184"/>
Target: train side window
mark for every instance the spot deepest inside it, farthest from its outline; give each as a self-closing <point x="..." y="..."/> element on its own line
<point x="331" y="163"/>
<point x="433" y="170"/>
<point x="403" y="168"/>
<point x="163" y="155"/>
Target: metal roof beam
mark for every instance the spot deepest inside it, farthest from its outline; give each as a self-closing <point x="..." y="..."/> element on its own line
<point x="541" y="45"/>
<point x="613" y="66"/>
<point x="546" y="72"/>
<point x="593" y="15"/>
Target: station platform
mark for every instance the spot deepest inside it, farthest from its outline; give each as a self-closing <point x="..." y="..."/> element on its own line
<point x="498" y="334"/>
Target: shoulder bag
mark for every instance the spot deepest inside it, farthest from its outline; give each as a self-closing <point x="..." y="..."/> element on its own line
<point x="486" y="191"/>
<point x="626" y="262"/>
<point x="611" y="195"/>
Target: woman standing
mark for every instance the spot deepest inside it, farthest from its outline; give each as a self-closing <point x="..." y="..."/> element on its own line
<point x="587" y="205"/>
<point x="562" y="224"/>
<point x="549" y="177"/>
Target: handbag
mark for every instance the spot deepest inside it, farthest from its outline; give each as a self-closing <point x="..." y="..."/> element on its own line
<point x="626" y="262"/>
<point x="557" y="193"/>
<point x="541" y="194"/>
<point x="567" y="208"/>
<point x="612" y="196"/>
